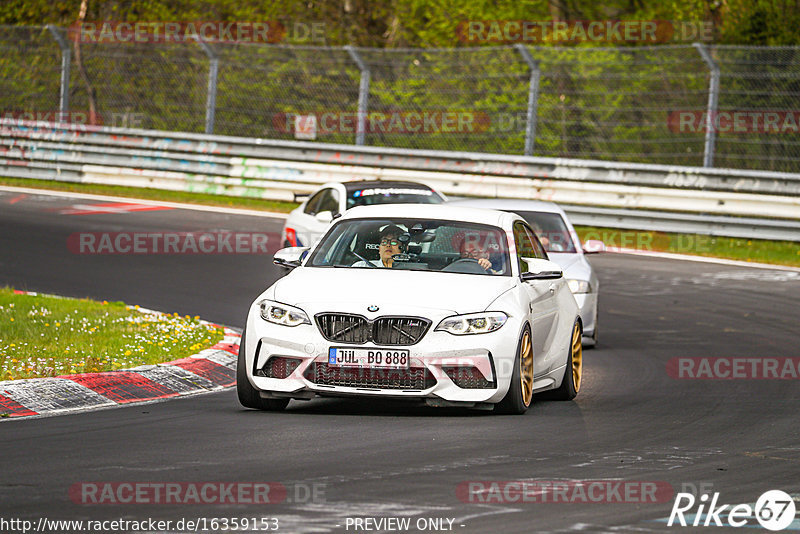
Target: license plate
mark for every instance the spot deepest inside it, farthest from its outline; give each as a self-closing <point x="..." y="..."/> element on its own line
<point x="368" y="358"/>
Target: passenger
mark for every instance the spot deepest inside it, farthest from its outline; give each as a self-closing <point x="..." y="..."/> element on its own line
<point x="472" y="249"/>
<point x="389" y="246"/>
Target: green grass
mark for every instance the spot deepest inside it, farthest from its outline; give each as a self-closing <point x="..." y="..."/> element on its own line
<point x="155" y="194"/>
<point x="51" y="336"/>
<point x="752" y="250"/>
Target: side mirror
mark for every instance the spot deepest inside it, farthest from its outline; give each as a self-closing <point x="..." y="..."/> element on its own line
<point x="593" y="246"/>
<point x="539" y="269"/>
<point x="290" y="257"/>
<point x="325" y="216"/>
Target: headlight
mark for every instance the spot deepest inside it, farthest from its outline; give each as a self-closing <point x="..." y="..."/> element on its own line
<point x="473" y="323"/>
<point x="274" y="312"/>
<point x="579" y="286"/>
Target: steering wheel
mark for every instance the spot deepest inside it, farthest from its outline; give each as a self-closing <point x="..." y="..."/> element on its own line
<point x="465" y="265"/>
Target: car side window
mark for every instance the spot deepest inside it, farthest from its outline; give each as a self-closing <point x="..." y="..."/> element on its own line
<point x="329" y="201"/>
<point x="523" y="245"/>
<point x="311" y="205"/>
<point x="527" y="245"/>
<point x="538" y="249"/>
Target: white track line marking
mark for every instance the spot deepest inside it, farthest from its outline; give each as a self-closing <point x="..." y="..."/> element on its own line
<point x="702" y="259"/>
<point x="176" y="205"/>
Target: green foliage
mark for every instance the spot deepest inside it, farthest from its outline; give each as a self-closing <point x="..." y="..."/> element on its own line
<point x="602" y="102"/>
<point x="428" y="23"/>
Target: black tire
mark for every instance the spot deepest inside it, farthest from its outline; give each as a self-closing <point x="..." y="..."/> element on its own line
<point x="517" y="401"/>
<point x="249" y="397"/>
<point x="571" y="384"/>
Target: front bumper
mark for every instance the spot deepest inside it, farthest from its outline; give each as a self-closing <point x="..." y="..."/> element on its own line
<point x="434" y="355"/>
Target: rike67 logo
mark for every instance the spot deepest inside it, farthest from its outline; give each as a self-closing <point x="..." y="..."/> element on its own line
<point x="774" y="510"/>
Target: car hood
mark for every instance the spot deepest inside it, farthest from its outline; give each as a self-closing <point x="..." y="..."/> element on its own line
<point x="319" y="288"/>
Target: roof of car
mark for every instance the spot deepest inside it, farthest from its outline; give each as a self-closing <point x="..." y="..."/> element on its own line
<point x="428" y="211"/>
<point x="510" y="204"/>
<point x="364" y="184"/>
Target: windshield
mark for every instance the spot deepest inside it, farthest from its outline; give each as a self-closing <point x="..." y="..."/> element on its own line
<point x="416" y="245"/>
<point x="391" y="195"/>
<point x="551" y="230"/>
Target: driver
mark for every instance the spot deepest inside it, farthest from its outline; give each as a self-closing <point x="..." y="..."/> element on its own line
<point x="389" y="246"/>
<point x="543" y="239"/>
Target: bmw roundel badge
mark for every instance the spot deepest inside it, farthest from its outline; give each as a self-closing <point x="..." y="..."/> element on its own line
<point x="373" y="308"/>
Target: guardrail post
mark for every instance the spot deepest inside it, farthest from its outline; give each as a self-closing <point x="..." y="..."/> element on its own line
<point x="363" y="94"/>
<point x="66" y="59"/>
<point x="211" y="94"/>
<point x="533" y="99"/>
<point x="713" y="103"/>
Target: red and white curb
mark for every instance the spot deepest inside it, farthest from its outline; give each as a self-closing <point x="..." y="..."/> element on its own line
<point x="208" y="370"/>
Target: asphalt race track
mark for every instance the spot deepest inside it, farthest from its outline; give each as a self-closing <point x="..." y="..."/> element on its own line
<point x="631" y="423"/>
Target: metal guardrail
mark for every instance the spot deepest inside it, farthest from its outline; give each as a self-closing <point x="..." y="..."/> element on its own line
<point x="701" y="200"/>
<point x="741" y="227"/>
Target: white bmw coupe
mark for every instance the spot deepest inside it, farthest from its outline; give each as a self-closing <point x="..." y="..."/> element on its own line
<point x="445" y="305"/>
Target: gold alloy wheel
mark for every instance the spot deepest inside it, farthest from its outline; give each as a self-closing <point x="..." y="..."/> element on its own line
<point x="526" y="368"/>
<point x="577" y="357"/>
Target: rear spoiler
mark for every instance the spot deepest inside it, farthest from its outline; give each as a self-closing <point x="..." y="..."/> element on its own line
<point x="301" y="197"/>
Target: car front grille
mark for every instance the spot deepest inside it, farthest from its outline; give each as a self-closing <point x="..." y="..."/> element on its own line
<point x="416" y="378"/>
<point x="344" y="328"/>
<point x="348" y="328"/>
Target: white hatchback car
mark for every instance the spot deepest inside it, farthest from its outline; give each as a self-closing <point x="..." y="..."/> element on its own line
<point x="306" y="223"/>
<point x="563" y="247"/>
<point x="470" y="313"/>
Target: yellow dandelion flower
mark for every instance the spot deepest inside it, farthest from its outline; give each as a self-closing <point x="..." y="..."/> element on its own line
<point x="127" y="353"/>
